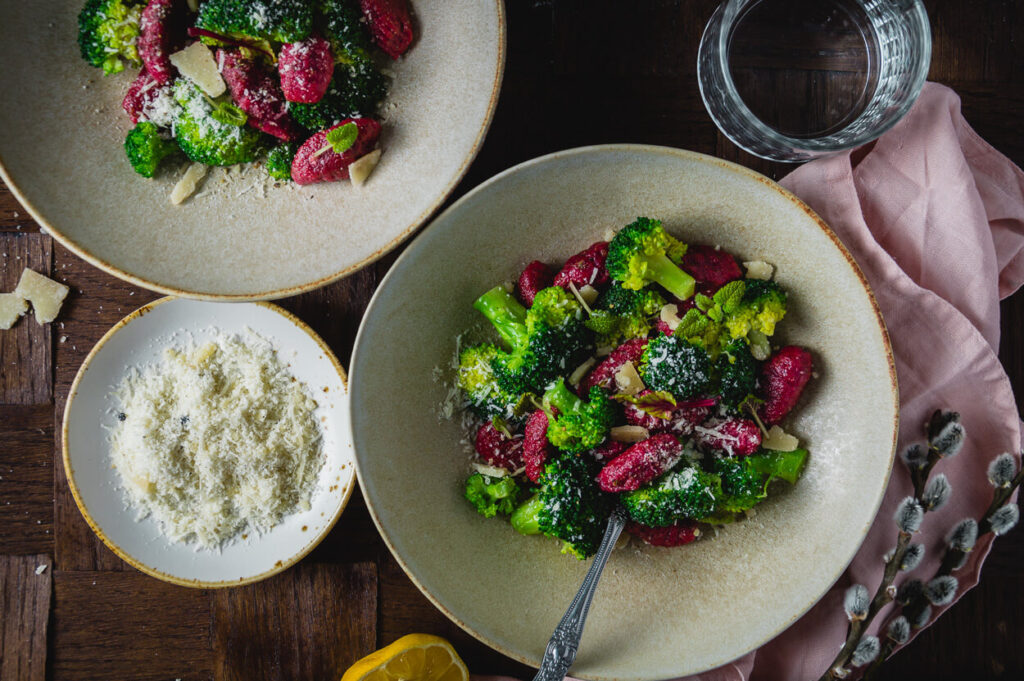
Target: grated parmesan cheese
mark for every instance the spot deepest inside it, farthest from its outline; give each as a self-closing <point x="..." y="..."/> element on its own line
<point x="217" y="439"/>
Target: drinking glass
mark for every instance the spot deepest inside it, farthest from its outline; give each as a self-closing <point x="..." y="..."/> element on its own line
<point x="792" y="80"/>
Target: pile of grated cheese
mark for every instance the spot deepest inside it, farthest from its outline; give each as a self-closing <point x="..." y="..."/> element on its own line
<point x="216" y="440"/>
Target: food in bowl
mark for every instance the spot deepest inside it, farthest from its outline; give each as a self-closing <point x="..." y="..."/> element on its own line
<point x="216" y="441"/>
<point x="224" y="82"/>
<point x="642" y="374"/>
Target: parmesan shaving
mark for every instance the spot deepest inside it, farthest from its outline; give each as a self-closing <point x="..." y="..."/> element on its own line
<point x="196" y="63"/>
<point x="45" y="294"/>
<point x="589" y="294"/>
<point x="187" y="184"/>
<point x="12" y="306"/>
<point x="216" y="440"/>
<point x="670" y="315"/>
<point x="576" y="376"/>
<point x="779" y="440"/>
<point x="363" y="166"/>
<point x="490" y="471"/>
<point x="758" y="269"/>
<point x="628" y="380"/>
<point x="628" y="433"/>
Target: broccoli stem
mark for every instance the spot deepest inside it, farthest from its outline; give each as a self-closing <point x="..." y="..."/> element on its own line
<point x="665" y="272"/>
<point x="559" y="396"/>
<point x="526" y="518"/>
<point x="506" y="314"/>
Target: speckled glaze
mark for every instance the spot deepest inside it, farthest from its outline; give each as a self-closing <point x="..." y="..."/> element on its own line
<point x="61" y="152"/>
<point x="140" y="338"/>
<point x="659" y="613"/>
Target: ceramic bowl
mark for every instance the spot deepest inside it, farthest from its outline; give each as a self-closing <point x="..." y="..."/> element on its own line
<point x="140" y="338"/>
<point x="61" y="152"/>
<point x="659" y="613"/>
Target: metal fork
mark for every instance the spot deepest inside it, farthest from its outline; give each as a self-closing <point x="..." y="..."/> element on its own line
<point x="561" y="650"/>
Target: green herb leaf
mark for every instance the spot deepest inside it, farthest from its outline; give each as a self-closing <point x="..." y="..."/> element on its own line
<point x="342" y="138"/>
<point x="656" y="403"/>
<point x="228" y="114"/>
<point x="730" y="296"/>
<point x="500" y="426"/>
<point x="703" y="302"/>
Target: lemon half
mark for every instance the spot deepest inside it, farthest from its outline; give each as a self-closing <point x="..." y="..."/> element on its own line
<point x="416" y="657"/>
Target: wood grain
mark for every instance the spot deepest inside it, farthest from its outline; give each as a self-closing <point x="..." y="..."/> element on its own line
<point x="126" y="625"/>
<point x="24" y="614"/>
<point x="26" y="480"/>
<point x="26" y="375"/>
<point x="98" y="302"/>
<point x="310" y="622"/>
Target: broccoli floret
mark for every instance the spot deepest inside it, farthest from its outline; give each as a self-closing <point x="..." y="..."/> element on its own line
<point x="579" y="425"/>
<point x="283" y="21"/>
<point x="491" y="496"/>
<point x="341" y="22"/>
<point x="745" y="480"/>
<point x="547" y="340"/>
<point x="737" y="374"/>
<point x="107" y="33"/>
<point x="762" y="306"/>
<point x="204" y="139"/>
<point x="673" y="365"/>
<point x="643" y="253"/>
<point x="569" y="505"/>
<point x="355" y="90"/>
<point x="145" y="148"/>
<point x="279" y="160"/>
<point x="690" y="493"/>
<point x="476" y="378"/>
<point x="623" y="313"/>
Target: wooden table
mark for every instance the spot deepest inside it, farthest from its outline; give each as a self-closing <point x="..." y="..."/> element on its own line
<point x="578" y="73"/>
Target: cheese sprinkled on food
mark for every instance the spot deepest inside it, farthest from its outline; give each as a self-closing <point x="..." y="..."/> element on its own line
<point x="216" y="439"/>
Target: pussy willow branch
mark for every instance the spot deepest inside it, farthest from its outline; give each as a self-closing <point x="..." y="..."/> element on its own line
<point x="952" y="560"/>
<point x="885" y="592"/>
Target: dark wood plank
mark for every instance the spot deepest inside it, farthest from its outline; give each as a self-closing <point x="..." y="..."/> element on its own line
<point x="98" y="301"/>
<point x="26" y="374"/>
<point x="126" y="625"/>
<point x="310" y="622"/>
<point x="24" y="615"/>
<point x="13" y="216"/>
<point x="26" y="479"/>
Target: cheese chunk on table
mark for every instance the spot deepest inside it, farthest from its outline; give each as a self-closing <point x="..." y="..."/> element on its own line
<point x="45" y="294"/>
<point x="11" y="307"/>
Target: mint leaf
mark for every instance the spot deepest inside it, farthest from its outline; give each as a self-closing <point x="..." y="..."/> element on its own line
<point x="228" y="114"/>
<point x="703" y="302"/>
<point x="342" y="138"/>
<point x="715" y="314"/>
<point x="730" y="296"/>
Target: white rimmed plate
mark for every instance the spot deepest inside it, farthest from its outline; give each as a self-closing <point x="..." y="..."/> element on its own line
<point x="140" y="338"/>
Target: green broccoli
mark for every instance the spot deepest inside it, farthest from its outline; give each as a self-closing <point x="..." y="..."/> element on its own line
<point x="546" y="341"/>
<point x="674" y="365"/>
<point x="745" y="480"/>
<point x="737" y="374"/>
<point x="341" y="22"/>
<point x="204" y="139"/>
<point x="355" y="90"/>
<point x="107" y="33"/>
<point x="690" y="493"/>
<point x="279" y="160"/>
<point x="145" y="148"/>
<point x="579" y="425"/>
<point x="622" y="313"/>
<point x="491" y="496"/>
<point x="762" y="306"/>
<point x="476" y="378"/>
<point x="569" y="505"/>
<point x="643" y="253"/>
<point x="283" y="21"/>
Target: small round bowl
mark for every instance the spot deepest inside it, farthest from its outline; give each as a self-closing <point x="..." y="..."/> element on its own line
<point x="659" y="613"/>
<point x="62" y="136"/>
<point x="140" y="338"/>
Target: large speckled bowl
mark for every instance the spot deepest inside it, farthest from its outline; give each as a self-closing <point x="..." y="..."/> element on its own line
<point x="61" y="152"/>
<point x="659" y="613"/>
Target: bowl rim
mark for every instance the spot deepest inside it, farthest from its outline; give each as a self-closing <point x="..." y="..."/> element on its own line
<point x="69" y="472"/>
<point x="411" y="251"/>
<point x="273" y="294"/>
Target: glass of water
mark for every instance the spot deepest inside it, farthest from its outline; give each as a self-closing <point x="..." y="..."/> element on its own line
<point x="791" y="80"/>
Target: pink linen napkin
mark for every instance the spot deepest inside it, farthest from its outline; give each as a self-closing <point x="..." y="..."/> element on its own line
<point x="935" y="218"/>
